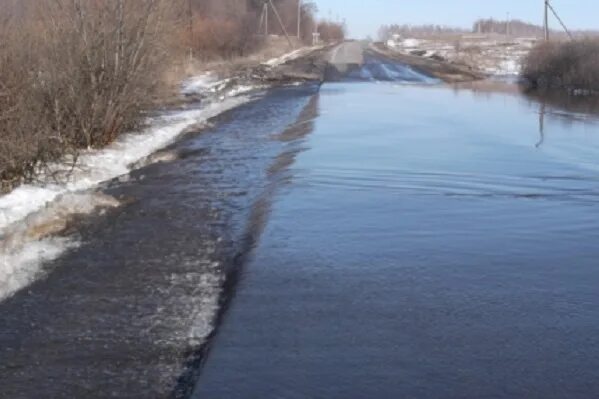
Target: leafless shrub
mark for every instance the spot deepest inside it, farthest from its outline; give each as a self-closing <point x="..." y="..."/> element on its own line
<point x="99" y="67"/>
<point x="229" y="28"/>
<point x="222" y="37"/>
<point x="75" y="75"/>
<point x="331" y="31"/>
<point x="572" y="65"/>
<point x="22" y="144"/>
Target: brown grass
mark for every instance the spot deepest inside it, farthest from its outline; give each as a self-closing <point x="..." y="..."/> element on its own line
<point x="572" y="65"/>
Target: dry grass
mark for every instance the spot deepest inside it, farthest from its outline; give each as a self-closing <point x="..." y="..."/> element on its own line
<point x="573" y="65"/>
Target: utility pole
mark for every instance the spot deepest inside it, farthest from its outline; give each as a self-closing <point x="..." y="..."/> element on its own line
<point x="546" y="21"/>
<point x="266" y="19"/>
<point x="191" y="39"/>
<point x="276" y="12"/>
<point x="559" y="20"/>
<point x="299" y="19"/>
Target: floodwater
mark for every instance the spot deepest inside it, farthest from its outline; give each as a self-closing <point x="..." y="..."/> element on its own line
<point x="127" y="313"/>
<point x="428" y="243"/>
<point x="387" y="238"/>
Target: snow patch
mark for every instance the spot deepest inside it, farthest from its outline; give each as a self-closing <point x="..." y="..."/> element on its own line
<point x="20" y="268"/>
<point x="96" y="166"/>
<point x="293" y="55"/>
<point x="284" y="58"/>
<point x="207" y="83"/>
<point x="33" y="212"/>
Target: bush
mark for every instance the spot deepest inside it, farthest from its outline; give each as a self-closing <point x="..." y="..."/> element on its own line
<point x="75" y="76"/>
<point x="24" y="142"/>
<point x="331" y="31"/>
<point x="223" y="37"/>
<point x="572" y="65"/>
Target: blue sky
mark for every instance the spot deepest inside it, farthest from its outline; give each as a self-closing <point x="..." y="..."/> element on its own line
<point x="365" y="16"/>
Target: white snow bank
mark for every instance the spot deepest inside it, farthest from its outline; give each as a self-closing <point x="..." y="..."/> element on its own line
<point x="284" y="58"/>
<point x="27" y="244"/>
<point x="207" y="83"/>
<point x="411" y="43"/>
<point x="295" y="54"/>
<point x="30" y="210"/>
<point x="506" y="67"/>
<point x="96" y="166"/>
<point x="19" y="268"/>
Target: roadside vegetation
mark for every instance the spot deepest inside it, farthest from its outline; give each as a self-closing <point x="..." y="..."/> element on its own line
<point x="75" y="74"/>
<point x="331" y="31"/>
<point x="571" y="65"/>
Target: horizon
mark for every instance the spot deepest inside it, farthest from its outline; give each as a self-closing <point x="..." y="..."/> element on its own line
<point x="364" y="18"/>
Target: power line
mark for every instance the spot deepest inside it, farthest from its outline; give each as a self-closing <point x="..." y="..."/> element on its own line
<point x="281" y="22"/>
<point x="559" y="19"/>
<point x="548" y="7"/>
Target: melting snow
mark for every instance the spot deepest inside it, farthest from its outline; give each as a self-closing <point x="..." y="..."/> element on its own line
<point x="31" y="207"/>
<point x="289" y="56"/>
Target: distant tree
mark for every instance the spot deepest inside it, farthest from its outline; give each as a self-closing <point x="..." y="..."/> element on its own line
<point x="331" y="31"/>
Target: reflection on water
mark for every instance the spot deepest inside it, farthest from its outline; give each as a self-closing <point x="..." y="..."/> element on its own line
<point x="568" y="107"/>
<point x="542" y="112"/>
<point x="430" y="243"/>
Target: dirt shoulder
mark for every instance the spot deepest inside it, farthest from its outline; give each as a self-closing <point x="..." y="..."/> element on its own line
<point x="216" y="81"/>
<point x="308" y="65"/>
<point x="447" y="72"/>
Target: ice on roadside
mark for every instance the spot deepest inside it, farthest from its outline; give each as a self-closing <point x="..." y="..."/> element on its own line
<point x="20" y="268"/>
<point x="206" y="83"/>
<point x="292" y="55"/>
<point x="210" y="85"/>
<point x="32" y="213"/>
<point x="27" y="243"/>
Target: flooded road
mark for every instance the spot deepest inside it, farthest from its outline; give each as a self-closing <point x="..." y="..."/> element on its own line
<point x="429" y="243"/>
<point x="127" y="313"/>
<point x="384" y="237"/>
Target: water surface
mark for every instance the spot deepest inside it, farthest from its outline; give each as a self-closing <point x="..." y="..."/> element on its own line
<point x="426" y="243"/>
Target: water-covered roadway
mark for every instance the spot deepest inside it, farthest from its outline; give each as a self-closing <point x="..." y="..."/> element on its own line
<point x="411" y="240"/>
<point x="125" y="315"/>
<point x="430" y="243"/>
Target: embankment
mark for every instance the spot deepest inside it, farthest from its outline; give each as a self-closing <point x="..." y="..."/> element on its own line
<point x="445" y="71"/>
<point x="32" y="215"/>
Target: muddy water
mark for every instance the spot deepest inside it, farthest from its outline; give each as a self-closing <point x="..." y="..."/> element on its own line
<point x="428" y="243"/>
